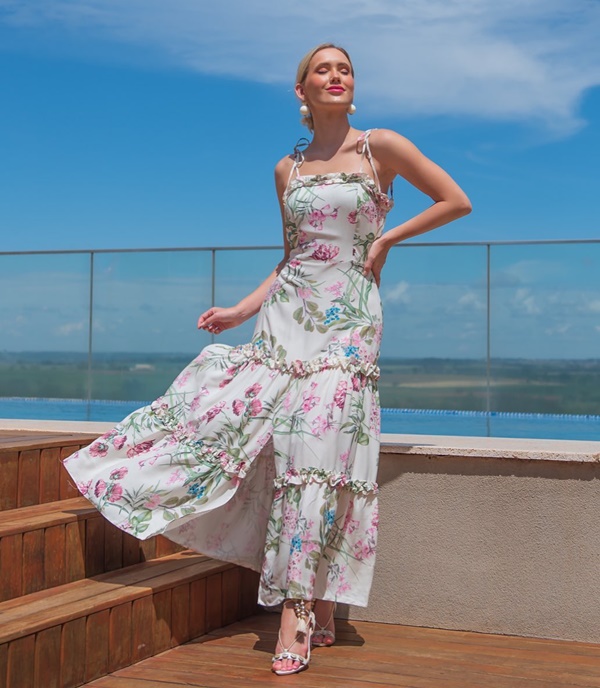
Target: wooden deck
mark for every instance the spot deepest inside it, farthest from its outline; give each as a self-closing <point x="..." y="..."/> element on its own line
<point x="80" y="599"/>
<point x="368" y="655"/>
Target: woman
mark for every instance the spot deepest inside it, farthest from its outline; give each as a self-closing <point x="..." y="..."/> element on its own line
<point x="188" y="466"/>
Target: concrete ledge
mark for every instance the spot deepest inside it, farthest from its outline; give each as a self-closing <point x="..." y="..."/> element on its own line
<point x="403" y="445"/>
<point x="491" y="447"/>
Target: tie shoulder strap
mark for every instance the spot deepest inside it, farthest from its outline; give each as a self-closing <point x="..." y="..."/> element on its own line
<point x="365" y="151"/>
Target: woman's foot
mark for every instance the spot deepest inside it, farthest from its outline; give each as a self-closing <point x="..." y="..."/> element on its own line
<point x="324" y="634"/>
<point x="292" y="652"/>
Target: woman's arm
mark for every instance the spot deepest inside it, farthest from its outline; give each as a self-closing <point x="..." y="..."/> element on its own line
<point x="397" y="155"/>
<point x="217" y="319"/>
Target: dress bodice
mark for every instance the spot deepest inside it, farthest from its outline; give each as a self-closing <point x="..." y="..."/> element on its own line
<point x="322" y="304"/>
<point x="334" y="217"/>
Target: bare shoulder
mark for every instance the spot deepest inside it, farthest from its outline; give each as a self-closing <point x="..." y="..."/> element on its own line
<point x="284" y="166"/>
<point x="282" y="173"/>
<point x="386" y="141"/>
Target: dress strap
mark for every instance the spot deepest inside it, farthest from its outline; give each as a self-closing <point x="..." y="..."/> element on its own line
<point x="298" y="159"/>
<point x="366" y="151"/>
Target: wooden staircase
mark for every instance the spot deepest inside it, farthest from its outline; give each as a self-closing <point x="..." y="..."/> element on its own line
<point x="78" y="597"/>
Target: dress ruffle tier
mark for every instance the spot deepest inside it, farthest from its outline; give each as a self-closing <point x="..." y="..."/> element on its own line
<point x="151" y="474"/>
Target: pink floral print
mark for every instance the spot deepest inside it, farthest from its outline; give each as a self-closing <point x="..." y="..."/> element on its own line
<point x="265" y="454"/>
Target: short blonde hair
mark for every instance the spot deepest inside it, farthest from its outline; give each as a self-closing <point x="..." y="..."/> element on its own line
<point x="302" y="73"/>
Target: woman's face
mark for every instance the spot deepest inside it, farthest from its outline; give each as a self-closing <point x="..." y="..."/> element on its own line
<point x="329" y="80"/>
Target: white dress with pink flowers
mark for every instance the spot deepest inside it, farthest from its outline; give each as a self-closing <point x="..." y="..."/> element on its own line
<point x="303" y="511"/>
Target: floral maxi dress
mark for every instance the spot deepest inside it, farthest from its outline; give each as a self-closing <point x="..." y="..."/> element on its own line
<point x="190" y="465"/>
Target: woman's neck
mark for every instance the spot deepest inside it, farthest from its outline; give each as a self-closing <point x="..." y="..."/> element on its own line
<point x="330" y="134"/>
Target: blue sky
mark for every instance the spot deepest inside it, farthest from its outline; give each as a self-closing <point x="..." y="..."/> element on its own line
<point x="152" y="124"/>
<point x="145" y="124"/>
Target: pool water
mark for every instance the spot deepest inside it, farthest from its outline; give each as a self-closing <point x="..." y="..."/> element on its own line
<point x="400" y="421"/>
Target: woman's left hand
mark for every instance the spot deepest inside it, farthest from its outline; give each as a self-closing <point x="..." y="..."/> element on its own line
<point x="376" y="260"/>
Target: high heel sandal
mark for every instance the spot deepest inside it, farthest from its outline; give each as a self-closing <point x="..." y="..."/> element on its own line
<point x="324" y="632"/>
<point x="304" y="626"/>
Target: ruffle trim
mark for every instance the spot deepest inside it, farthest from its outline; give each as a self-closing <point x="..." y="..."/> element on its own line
<point x="298" y="368"/>
<point x="306" y="476"/>
<point x="233" y="467"/>
<point x="363" y="178"/>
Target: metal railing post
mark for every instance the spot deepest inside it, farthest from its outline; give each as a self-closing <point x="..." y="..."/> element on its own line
<point x="90" y="332"/>
<point x="488" y="373"/>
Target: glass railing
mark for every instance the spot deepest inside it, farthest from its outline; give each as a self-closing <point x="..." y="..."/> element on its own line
<point x="511" y="327"/>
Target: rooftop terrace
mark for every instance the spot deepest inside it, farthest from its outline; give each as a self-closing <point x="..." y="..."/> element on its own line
<point x="487" y="576"/>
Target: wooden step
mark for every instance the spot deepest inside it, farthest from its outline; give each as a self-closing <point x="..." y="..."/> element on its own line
<point x="47" y="545"/>
<point x="63" y="637"/>
<point x="31" y="470"/>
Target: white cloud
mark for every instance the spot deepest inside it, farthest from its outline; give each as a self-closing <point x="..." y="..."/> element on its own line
<point x="593" y="306"/>
<point x="397" y="294"/>
<point x="470" y="300"/>
<point x="509" y="60"/>
<point x="525" y="302"/>
<point x="67" y="329"/>
<point x="558" y="329"/>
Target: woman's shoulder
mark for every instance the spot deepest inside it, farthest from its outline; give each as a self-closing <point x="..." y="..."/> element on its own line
<point x="283" y="168"/>
<point x="387" y="145"/>
<point x="285" y="164"/>
<point x="385" y="137"/>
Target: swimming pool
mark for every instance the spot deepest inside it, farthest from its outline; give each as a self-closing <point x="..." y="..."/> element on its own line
<point x="401" y="421"/>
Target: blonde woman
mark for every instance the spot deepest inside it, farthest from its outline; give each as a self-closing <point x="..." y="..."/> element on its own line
<point x="189" y="465"/>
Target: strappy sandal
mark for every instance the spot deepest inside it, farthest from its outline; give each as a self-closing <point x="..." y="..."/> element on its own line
<point x="324" y="632"/>
<point x="304" y="626"/>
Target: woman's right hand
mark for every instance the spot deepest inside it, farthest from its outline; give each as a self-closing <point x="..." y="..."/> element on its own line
<point x="217" y="319"/>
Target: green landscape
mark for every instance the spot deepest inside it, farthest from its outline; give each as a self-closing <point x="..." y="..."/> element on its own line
<point x="515" y="385"/>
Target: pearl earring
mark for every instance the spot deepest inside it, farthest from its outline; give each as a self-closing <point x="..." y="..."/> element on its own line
<point x="304" y="110"/>
<point x="351" y="109"/>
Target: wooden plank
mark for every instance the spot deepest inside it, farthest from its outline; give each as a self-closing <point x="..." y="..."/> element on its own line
<point x="147" y="549"/>
<point x="72" y="653"/>
<point x="67" y="489"/>
<point x="119" y="637"/>
<point x="120" y="682"/>
<point x="249" y="592"/>
<point x="94" y="546"/>
<point x="131" y="550"/>
<point x="164" y="546"/>
<point x="33" y="562"/>
<point x="197" y="608"/>
<point x="28" y="491"/>
<point x="11" y="552"/>
<point x="214" y="607"/>
<point x="180" y="615"/>
<point x="23" y="440"/>
<point x="20" y="664"/>
<point x="230" y="596"/>
<point x="62" y="609"/>
<point x="142" y="616"/>
<point x="96" y="645"/>
<point x="143" y="576"/>
<point x="162" y="621"/>
<point x="3" y="664"/>
<point x="49" y="474"/>
<point x="54" y="556"/>
<point x="113" y="547"/>
<point x="74" y="551"/>
<point x="9" y="479"/>
<point x="47" y="658"/>
<point x="34" y="515"/>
